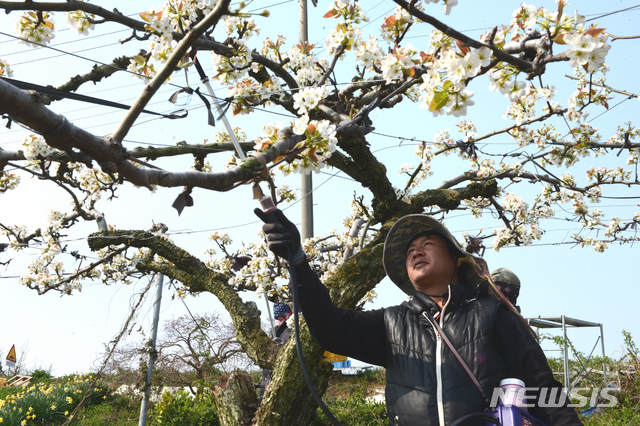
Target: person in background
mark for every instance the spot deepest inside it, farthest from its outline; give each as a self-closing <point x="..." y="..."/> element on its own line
<point x="280" y="333"/>
<point x="508" y="283"/>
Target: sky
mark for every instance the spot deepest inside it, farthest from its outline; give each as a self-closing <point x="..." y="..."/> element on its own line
<point x="67" y="334"/>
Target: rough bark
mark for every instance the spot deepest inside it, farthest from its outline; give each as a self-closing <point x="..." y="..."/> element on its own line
<point x="235" y="400"/>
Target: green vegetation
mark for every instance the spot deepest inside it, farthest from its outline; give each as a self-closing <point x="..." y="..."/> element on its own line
<point x="346" y="398"/>
<point x="49" y="402"/>
<point x="52" y="401"/>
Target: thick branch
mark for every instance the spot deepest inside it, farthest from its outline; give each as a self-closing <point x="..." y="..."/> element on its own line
<point x="245" y="316"/>
<point x="70" y="6"/>
<point x="369" y="171"/>
<point x="83" y="146"/>
<point x="450" y="199"/>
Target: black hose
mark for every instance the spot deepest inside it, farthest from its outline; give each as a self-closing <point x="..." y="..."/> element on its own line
<point x="296" y="326"/>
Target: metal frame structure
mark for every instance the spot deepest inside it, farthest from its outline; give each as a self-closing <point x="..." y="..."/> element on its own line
<point x="564" y="322"/>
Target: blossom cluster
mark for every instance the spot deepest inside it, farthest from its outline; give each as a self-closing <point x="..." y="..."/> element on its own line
<point x="503" y="80"/>
<point x="628" y="133"/>
<point x="176" y="16"/>
<point x="591" y="218"/>
<point x="5" y="68"/>
<point x="307" y="98"/>
<point x="93" y="182"/>
<point x="524" y="222"/>
<point x="35" y="31"/>
<point x="444" y="84"/>
<point x="527" y="17"/>
<point x="162" y="23"/>
<point x="47" y="270"/>
<point x="141" y="67"/>
<point x="81" y="21"/>
<point x="588" y="49"/>
<point x="347" y="34"/>
<point x="120" y="266"/>
<point x="8" y="181"/>
<point x="397" y="24"/>
<point x="523" y="107"/>
<point x="248" y="93"/>
<point x="307" y="67"/>
<point x="318" y="146"/>
<point x="426" y="155"/>
<point x="569" y="155"/>
<point x="260" y="273"/>
<point x="36" y="149"/>
<point x="231" y="69"/>
<point x="399" y="63"/>
<point x="369" y="54"/>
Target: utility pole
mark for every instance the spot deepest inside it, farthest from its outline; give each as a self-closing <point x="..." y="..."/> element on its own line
<point x="144" y="406"/>
<point x="306" y="182"/>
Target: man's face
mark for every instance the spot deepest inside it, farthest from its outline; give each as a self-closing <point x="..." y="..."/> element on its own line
<point x="430" y="264"/>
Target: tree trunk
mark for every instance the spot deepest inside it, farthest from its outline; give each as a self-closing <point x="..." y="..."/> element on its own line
<point x="236" y="400"/>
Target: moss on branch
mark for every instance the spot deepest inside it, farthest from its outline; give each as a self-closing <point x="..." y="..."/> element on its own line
<point x="368" y="170"/>
<point x="153" y="153"/>
<point x="96" y="74"/>
<point x="449" y="199"/>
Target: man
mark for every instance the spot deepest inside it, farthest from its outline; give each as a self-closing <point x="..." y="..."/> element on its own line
<point x="508" y="283"/>
<point x="426" y="384"/>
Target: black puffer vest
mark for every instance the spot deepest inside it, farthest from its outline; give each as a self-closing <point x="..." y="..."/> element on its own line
<point x="419" y="362"/>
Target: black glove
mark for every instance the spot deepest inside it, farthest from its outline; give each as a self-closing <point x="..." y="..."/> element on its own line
<point x="283" y="237"/>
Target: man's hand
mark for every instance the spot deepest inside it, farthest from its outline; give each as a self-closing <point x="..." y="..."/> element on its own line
<point x="283" y="237"/>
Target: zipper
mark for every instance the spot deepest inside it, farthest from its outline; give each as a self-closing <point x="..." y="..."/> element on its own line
<point x="439" y="377"/>
<point x="439" y="396"/>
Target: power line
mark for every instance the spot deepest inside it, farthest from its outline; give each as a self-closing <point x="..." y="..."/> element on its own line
<point x="613" y="13"/>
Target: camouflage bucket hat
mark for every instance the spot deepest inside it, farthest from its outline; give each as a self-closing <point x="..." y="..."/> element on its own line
<point x="508" y="282"/>
<point x="395" y="250"/>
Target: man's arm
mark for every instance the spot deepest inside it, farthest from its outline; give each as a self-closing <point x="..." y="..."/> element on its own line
<point x="526" y="360"/>
<point x="357" y="334"/>
<point x="360" y="335"/>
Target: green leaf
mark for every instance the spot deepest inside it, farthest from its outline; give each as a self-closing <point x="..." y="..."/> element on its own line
<point x="440" y="99"/>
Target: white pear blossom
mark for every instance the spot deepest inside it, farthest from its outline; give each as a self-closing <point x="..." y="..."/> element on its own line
<point x="587" y="50"/>
<point x="307" y="98"/>
<point x="369" y="53"/>
<point x="80" y="21"/>
<point x="34" y="31"/>
<point x="300" y="125"/>
<point x="5" y="68"/>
